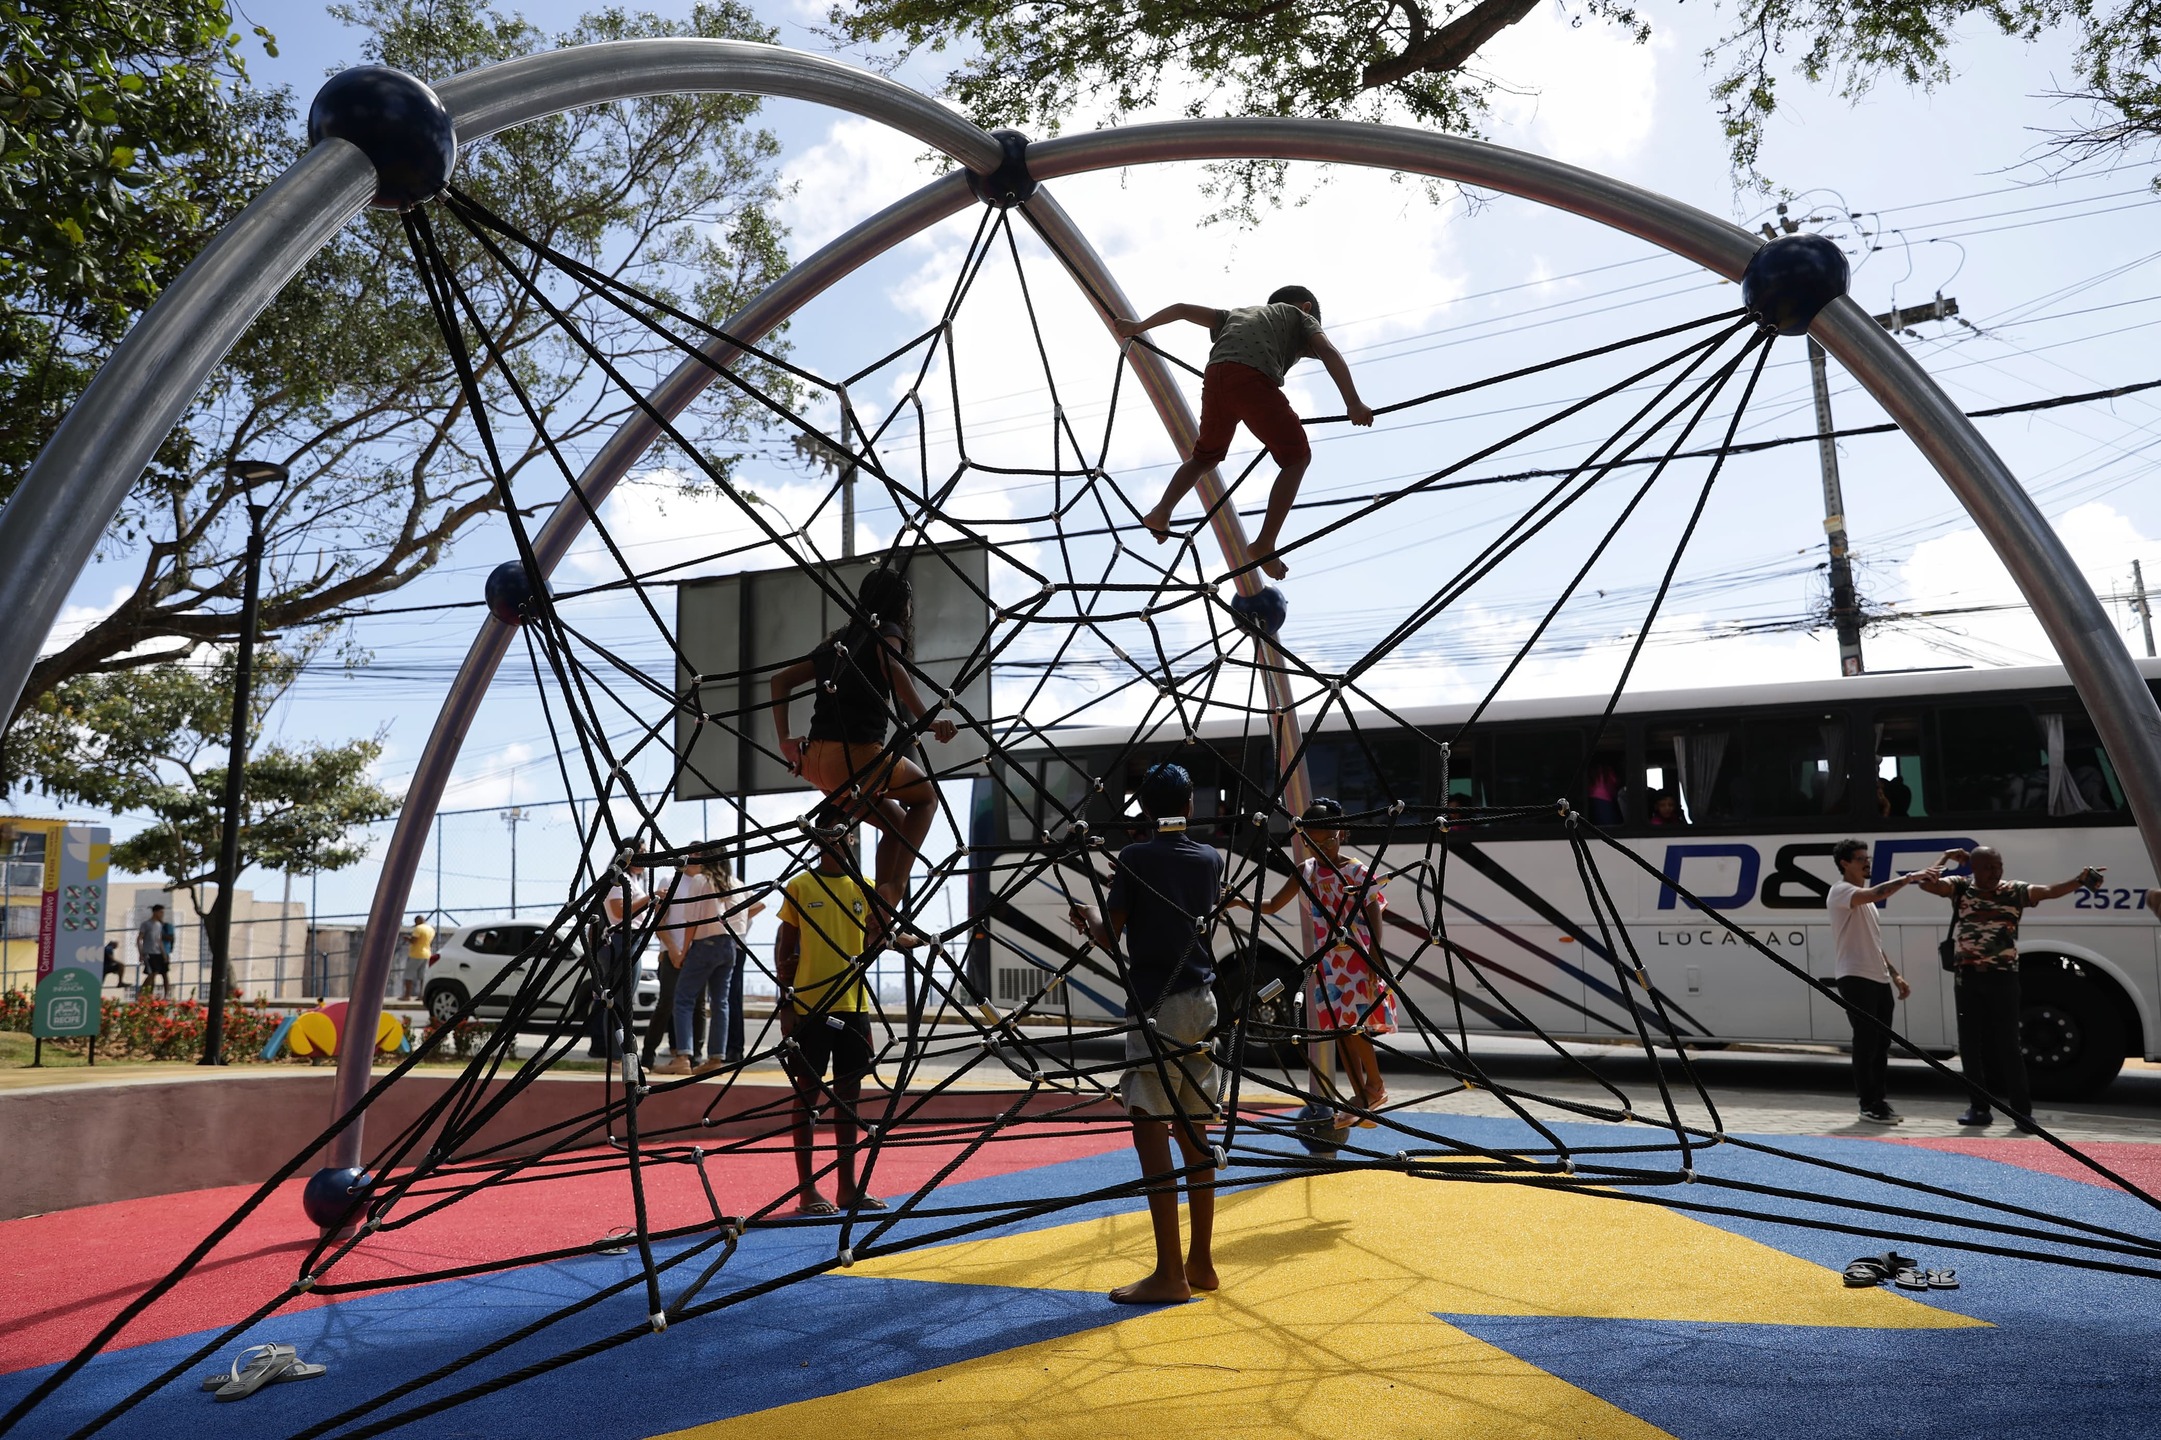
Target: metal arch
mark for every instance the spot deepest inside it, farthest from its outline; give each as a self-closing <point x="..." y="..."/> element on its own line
<point x="56" y="517"/>
<point x="2114" y="693"/>
<point x="52" y="524"/>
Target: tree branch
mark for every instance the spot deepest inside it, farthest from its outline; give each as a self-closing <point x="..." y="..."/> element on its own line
<point x="1451" y="46"/>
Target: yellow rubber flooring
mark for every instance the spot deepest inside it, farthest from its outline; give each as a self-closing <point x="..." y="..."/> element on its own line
<point x="1326" y="1320"/>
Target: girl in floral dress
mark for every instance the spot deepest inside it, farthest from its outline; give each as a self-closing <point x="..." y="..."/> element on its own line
<point x="1346" y="904"/>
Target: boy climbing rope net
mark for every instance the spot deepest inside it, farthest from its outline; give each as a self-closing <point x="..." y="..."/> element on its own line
<point x="1254" y="346"/>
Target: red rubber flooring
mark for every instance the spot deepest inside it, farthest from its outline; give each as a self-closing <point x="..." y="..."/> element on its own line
<point x="74" y="1270"/>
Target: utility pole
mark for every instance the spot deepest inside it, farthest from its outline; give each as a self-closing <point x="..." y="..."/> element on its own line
<point x="847" y="484"/>
<point x="251" y="473"/>
<point x="514" y="817"/>
<point x="1845" y="600"/>
<point x="1845" y="605"/>
<point x="2145" y="609"/>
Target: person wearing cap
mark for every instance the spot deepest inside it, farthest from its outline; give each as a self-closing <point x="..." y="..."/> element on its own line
<point x="1164" y="895"/>
<point x="1344" y="917"/>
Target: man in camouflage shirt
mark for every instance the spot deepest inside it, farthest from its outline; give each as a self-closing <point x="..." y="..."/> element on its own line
<point x="1984" y="935"/>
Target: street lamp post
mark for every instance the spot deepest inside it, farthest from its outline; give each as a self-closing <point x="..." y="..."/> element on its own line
<point x="250" y="472"/>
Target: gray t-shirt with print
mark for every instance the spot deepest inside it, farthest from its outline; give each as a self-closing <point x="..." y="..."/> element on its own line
<point x="1270" y="338"/>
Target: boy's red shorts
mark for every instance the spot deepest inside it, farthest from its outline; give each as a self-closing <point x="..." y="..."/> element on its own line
<point x="1231" y="393"/>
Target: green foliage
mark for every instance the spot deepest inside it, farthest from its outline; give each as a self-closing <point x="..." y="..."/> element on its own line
<point x="153" y="742"/>
<point x="154" y="1029"/>
<point x="345" y="379"/>
<point x="127" y="137"/>
<point x="1035" y="62"/>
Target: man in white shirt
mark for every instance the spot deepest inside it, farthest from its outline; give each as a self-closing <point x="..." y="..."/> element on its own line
<point x="1865" y="972"/>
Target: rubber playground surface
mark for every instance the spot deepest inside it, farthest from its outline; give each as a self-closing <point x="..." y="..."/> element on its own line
<point x="1372" y="1304"/>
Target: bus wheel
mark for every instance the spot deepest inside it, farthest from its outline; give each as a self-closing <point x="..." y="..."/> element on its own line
<point x="2070" y="1028"/>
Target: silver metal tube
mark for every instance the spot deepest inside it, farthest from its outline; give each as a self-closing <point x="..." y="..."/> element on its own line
<point x="1170" y="405"/>
<point x="56" y="517"/>
<point x="62" y="508"/>
<point x="2100" y="665"/>
<point x="424" y="792"/>
<point x="531" y="86"/>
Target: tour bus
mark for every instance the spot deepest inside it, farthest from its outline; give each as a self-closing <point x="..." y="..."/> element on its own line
<point x="1764" y="779"/>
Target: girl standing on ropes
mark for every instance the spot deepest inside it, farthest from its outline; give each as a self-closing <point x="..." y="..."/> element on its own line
<point x="860" y="678"/>
<point x="1344" y="912"/>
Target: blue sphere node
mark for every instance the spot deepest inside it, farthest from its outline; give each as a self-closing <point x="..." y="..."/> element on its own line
<point x="510" y="593"/>
<point x="398" y="123"/>
<point x="1317" y="1130"/>
<point x="335" y="1194"/>
<point x="1265" y="610"/>
<point x="1792" y="278"/>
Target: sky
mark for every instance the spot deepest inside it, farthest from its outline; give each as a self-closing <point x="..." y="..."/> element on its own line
<point x="1949" y="191"/>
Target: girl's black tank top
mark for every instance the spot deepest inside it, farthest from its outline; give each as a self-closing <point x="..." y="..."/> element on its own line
<point x="855" y="695"/>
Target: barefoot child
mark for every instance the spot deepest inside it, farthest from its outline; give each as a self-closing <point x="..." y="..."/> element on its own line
<point x="1163" y="894"/>
<point x="1346" y="904"/>
<point x="1253" y="348"/>
<point x="825" y="1011"/>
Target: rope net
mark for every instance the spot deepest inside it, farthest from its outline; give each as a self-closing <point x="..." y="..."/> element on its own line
<point x="1091" y="628"/>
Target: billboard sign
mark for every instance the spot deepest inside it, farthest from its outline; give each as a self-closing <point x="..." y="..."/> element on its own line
<point x="737" y="631"/>
<point x="71" y="928"/>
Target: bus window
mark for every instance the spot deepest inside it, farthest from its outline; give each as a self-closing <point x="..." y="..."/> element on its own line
<point x="1066" y="787"/>
<point x="2081" y="780"/>
<point x="1900" y="791"/>
<point x="1365" y="772"/>
<point x="1993" y="760"/>
<point x="1016" y="788"/>
<point x="1790" y="766"/>
<point x="1692" y="764"/>
<point x="1661" y="780"/>
<point x="1532" y="767"/>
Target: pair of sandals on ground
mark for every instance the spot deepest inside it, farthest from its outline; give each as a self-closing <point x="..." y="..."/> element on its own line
<point x="260" y="1365"/>
<point x="1901" y="1270"/>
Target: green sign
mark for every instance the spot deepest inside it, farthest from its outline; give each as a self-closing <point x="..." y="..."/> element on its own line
<point x="67" y="1003"/>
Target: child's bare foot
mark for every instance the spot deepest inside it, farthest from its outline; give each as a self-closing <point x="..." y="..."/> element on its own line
<point x="1201" y="1275"/>
<point x="1156" y="1289"/>
<point x="1273" y="567"/>
<point x="1158" y="522"/>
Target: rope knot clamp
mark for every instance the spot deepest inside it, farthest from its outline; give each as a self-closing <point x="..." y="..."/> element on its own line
<point x="1010" y="183"/>
<point x="847" y="1258"/>
<point x="659" y="1321"/>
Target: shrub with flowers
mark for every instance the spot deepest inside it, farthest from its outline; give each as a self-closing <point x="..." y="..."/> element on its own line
<point x="464" y="1038"/>
<point x="154" y="1029"/>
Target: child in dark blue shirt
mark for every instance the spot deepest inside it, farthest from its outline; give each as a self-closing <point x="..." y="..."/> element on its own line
<point x="1163" y="897"/>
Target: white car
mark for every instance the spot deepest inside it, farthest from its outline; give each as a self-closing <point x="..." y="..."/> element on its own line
<point x="468" y="957"/>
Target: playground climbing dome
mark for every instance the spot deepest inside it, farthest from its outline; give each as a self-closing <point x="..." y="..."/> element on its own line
<point x="1171" y="636"/>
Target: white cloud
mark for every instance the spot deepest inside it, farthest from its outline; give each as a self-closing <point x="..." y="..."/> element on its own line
<point x="75" y="621"/>
<point x="860" y="168"/>
<point x="1586" y="94"/>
